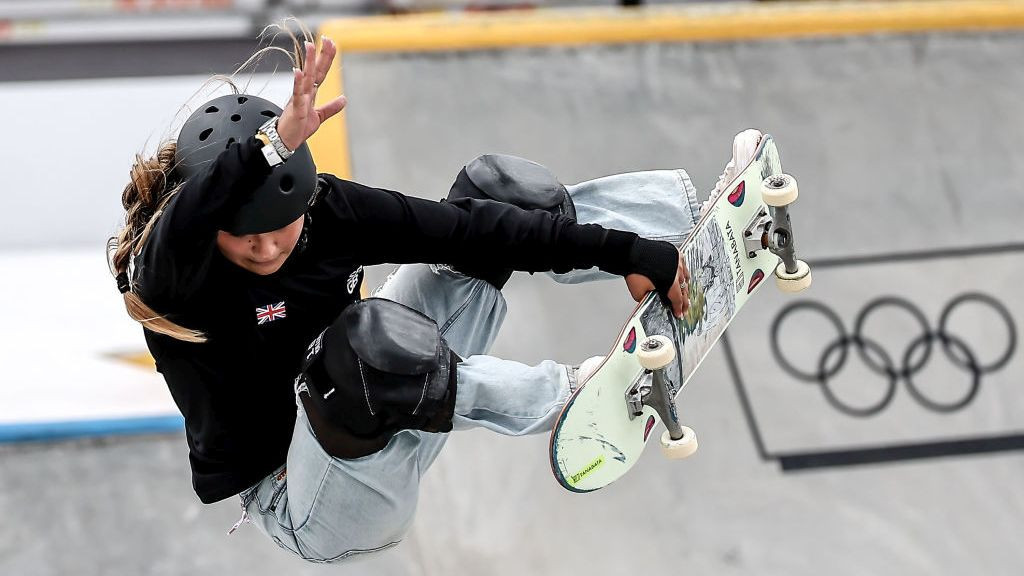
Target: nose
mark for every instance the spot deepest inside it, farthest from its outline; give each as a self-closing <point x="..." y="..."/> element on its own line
<point x="263" y="247"/>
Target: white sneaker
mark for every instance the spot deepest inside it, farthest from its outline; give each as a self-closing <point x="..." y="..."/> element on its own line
<point x="743" y="147"/>
<point x="585" y="370"/>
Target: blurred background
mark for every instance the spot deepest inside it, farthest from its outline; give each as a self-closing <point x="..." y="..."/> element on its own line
<point x="901" y="120"/>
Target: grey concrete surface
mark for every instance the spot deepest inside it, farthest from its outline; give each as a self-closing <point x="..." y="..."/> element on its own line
<point x="900" y="144"/>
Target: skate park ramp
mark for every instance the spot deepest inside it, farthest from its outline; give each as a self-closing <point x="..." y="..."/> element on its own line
<point x="901" y="123"/>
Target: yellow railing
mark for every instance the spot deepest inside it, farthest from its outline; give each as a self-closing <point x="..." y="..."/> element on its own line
<point x="689" y="23"/>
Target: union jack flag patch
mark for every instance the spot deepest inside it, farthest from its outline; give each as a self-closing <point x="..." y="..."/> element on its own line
<point x="270" y="312"/>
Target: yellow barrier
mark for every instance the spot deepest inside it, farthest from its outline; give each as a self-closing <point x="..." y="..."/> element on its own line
<point x="691" y="23"/>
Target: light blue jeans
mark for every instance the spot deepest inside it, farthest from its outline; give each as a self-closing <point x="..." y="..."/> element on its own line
<point x="326" y="509"/>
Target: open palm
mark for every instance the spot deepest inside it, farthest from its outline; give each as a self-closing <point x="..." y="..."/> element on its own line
<point x="301" y="118"/>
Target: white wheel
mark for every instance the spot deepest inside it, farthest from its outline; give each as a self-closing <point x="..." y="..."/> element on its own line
<point x="679" y="449"/>
<point x="779" y="190"/>
<point x="656" y="352"/>
<point x="793" y="282"/>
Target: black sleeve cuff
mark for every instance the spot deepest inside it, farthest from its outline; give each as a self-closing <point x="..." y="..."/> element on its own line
<point x="656" y="260"/>
<point x="617" y="251"/>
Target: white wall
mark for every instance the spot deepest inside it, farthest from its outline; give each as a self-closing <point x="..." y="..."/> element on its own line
<point x="69" y="146"/>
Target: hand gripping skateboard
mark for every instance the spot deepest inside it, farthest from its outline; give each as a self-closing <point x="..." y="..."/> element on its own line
<point x="745" y="234"/>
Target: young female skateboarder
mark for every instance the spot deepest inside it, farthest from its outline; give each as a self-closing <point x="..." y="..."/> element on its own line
<point x="321" y="409"/>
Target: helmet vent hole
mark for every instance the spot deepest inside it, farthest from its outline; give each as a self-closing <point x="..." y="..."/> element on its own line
<point x="230" y="142"/>
<point x="236" y="117"/>
<point x="268" y="114"/>
<point x="205" y="134"/>
<point x="212" y="109"/>
<point x="242" y="99"/>
<point x="287" y="183"/>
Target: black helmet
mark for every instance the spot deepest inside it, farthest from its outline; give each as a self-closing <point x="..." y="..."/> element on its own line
<point x="282" y="197"/>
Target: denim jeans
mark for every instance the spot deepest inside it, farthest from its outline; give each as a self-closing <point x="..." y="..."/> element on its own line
<point x="327" y="509"/>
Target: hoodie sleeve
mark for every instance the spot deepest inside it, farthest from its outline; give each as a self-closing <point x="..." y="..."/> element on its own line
<point x="378" y="225"/>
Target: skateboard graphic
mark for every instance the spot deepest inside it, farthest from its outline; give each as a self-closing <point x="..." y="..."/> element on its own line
<point x="744" y="235"/>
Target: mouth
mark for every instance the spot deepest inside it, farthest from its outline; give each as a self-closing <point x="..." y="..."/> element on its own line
<point x="263" y="262"/>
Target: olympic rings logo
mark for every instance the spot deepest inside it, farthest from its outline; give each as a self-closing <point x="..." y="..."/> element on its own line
<point x="912" y="358"/>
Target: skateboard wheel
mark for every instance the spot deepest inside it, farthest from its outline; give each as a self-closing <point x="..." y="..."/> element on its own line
<point x="779" y="190"/>
<point x="656" y="352"/>
<point x="793" y="282"/>
<point x="679" y="449"/>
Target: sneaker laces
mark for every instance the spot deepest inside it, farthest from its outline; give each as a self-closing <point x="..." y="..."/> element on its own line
<point x="725" y="178"/>
<point x="730" y="172"/>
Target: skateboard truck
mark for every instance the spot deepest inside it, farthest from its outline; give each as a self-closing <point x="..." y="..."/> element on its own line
<point x="762" y="233"/>
<point x="774" y="231"/>
<point x="757" y="234"/>
<point x="651" y="388"/>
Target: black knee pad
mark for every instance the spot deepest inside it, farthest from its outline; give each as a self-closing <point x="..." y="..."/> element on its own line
<point x="511" y="180"/>
<point x="379" y="368"/>
<point x="515" y="181"/>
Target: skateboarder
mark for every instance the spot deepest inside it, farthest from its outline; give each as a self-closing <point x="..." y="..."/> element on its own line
<point x="319" y="409"/>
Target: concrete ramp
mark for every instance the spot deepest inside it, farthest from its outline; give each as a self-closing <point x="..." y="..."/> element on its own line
<point x="894" y="449"/>
<point x="904" y="147"/>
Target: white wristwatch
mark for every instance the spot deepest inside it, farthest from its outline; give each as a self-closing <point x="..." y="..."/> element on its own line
<point x="273" y="148"/>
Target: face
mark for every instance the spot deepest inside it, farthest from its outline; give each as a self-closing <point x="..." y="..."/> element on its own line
<point x="261" y="253"/>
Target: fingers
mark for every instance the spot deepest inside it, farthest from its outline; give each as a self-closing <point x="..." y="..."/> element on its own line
<point x="300" y="120"/>
<point x="675" y="295"/>
<point x="309" y="66"/>
<point x="331" y="108"/>
<point x="296" y="84"/>
<point x="313" y="72"/>
<point x="303" y="84"/>
<point x="299" y="103"/>
<point x="323" y="61"/>
<point x="316" y="66"/>
<point x="683" y="286"/>
<point x="684" y="271"/>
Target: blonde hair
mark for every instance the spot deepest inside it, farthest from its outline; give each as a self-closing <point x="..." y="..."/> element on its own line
<point x="150" y="188"/>
<point x="144" y="198"/>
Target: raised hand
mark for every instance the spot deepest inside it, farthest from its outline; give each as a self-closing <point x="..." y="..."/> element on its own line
<point x="300" y="119"/>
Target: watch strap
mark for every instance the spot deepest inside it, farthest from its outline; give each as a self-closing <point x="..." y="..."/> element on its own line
<point x="271" y="155"/>
<point x="269" y="129"/>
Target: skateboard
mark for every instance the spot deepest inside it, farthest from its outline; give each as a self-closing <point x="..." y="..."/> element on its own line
<point x="744" y="235"/>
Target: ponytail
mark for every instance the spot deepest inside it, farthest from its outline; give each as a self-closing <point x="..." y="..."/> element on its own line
<point x="144" y="198"/>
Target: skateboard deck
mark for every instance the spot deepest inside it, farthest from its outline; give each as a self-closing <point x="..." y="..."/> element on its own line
<point x="598" y="437"/>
